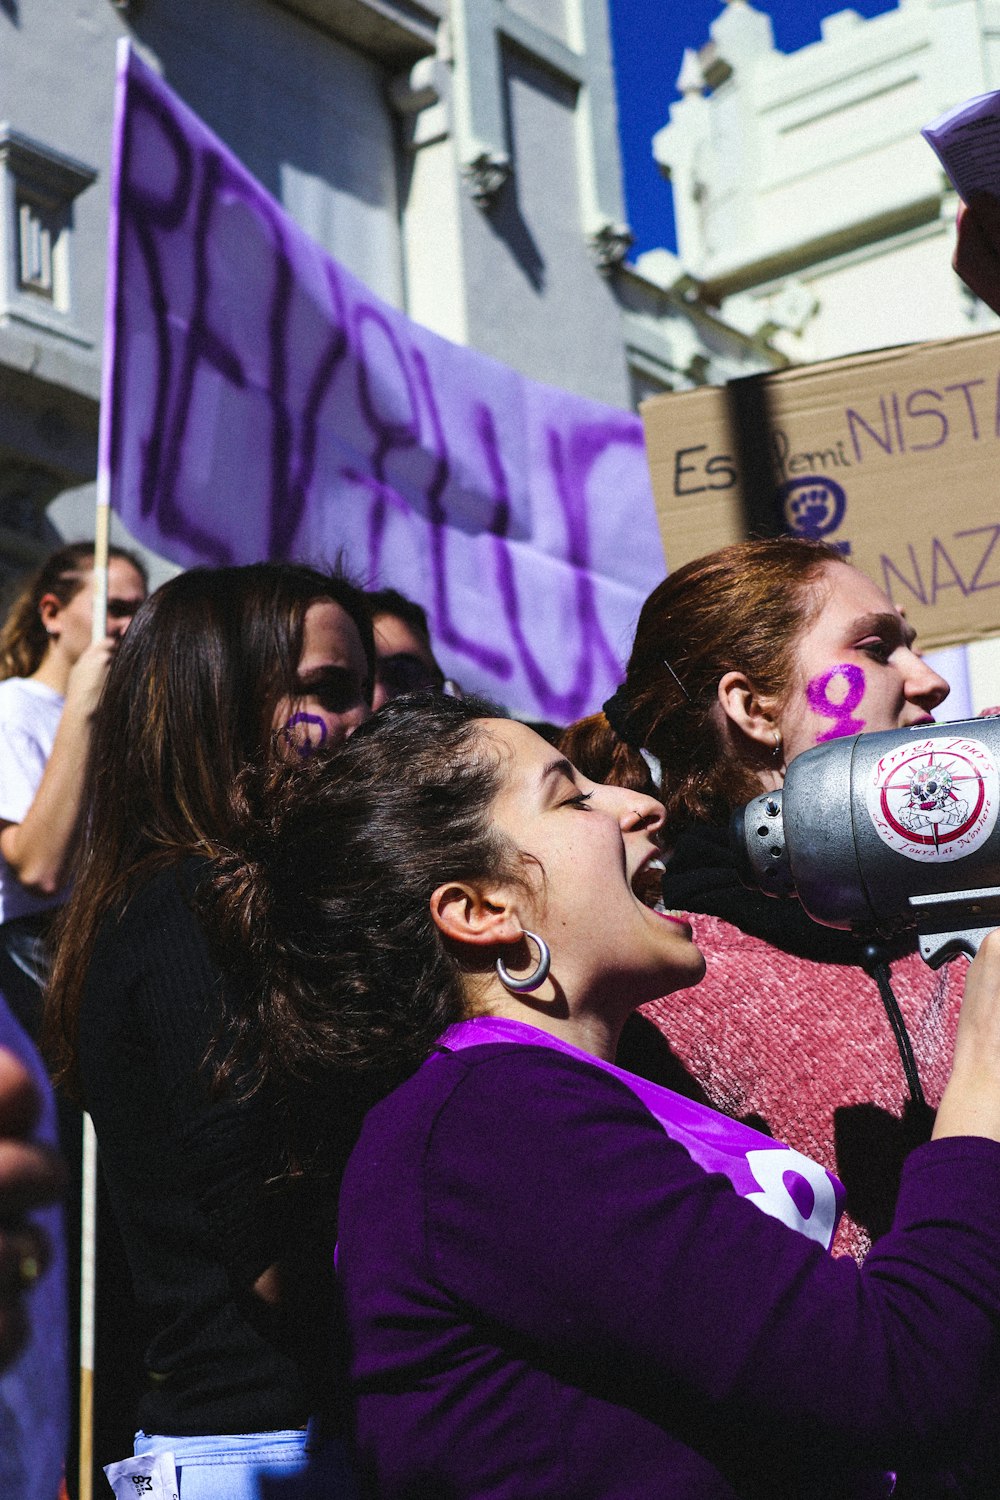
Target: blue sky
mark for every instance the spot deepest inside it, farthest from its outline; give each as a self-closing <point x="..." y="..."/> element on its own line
<point x="649" y="37"/>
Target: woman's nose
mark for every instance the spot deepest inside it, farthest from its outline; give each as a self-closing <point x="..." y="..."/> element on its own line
<point x="640" y="811"/>
<point x="924" y="685"/>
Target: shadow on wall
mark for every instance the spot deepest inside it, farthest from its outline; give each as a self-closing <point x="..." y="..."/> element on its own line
<point x="509" y="224"/>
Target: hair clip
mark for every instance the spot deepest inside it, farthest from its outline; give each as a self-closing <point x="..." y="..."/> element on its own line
<point x="676" y="678"/>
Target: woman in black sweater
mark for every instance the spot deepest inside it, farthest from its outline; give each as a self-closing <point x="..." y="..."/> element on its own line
<point x="230" y="1251"/>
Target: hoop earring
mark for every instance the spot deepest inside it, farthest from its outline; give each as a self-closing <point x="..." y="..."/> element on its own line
<point x="536" y="978"/>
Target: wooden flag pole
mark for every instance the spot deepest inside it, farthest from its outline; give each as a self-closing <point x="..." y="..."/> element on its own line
<point x="102" y="542"/>
<point x="88" y="1279"/>
<point x="88" y="1206"/>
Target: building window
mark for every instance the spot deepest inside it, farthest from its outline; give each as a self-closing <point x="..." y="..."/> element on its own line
<point x="37" y="190"/>
<point x="36" y="233"/>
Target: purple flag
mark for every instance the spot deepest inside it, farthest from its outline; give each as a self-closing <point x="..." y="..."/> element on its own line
<point x="260" y="402"/>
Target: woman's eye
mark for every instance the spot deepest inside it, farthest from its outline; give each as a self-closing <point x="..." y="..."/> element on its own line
<point x="580" y="800"/>
<point x="334" y="689"/>
<point x="878" y="650"/>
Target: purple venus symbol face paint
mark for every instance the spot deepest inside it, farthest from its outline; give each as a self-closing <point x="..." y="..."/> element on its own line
<point x="304" y="745"/>
<point x="841" y="710"/>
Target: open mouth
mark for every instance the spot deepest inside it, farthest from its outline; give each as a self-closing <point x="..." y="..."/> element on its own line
<point x="647" y="884"/>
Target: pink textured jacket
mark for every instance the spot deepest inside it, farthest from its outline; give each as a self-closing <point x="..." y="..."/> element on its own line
<point x="804" y="1045"/>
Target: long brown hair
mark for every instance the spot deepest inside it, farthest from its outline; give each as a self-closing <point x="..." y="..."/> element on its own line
<point x="187" y="705"/>
<point x="23" y="639"/>
<point x="742" y="609"/>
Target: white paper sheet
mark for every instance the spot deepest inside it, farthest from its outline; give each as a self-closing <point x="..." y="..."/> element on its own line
<point x="967" y="142"/>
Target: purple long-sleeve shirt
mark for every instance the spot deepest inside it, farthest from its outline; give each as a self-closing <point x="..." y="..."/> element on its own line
<point x="547" y="1298"/>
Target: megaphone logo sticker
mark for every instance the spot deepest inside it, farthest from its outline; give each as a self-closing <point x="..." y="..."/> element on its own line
<point x="935" y="799"/>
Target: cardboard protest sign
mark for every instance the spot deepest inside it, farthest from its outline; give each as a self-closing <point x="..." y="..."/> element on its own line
<point x="892" y="456"/>
<point x="262" y="403"/>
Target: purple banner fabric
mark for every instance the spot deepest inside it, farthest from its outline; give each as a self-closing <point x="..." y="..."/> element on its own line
<point x="262" y="403"/>
<point x="779" y="1181"/>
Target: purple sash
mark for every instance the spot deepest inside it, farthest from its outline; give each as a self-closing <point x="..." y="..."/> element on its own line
<point x="780" y="1181"/>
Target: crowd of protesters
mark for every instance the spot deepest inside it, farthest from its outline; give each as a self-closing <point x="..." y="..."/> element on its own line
<point x="347" y="970"/>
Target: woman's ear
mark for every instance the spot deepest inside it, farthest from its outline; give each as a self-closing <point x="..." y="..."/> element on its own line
<point x="49" y="607"/>
<point x="467" y="913"/>
<point x="754" y="715"/>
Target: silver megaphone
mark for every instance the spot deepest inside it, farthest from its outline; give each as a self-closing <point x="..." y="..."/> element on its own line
<point x="879" y="833"/>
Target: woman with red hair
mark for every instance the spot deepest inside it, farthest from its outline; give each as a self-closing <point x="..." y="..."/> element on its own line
<point x="742" y="660"/>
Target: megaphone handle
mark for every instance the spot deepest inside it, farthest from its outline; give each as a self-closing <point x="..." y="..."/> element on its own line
<point x="937" y="947"/>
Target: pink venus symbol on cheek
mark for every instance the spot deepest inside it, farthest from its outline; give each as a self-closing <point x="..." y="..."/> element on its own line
<point x="305" y="747"/>
<point x="842" y="711"/>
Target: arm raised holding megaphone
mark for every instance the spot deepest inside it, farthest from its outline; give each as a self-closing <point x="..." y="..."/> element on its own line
<point x="970" y="1104"/>
<point x="744" y="661"/>
<point x="887" y="832"/>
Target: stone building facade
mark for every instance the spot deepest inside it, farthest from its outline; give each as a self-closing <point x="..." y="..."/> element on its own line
<point x="459" y="156"/>
<point x="808" y="206"/>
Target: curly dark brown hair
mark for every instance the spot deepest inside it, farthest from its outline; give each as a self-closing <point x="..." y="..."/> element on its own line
<point x="320" y="909"/>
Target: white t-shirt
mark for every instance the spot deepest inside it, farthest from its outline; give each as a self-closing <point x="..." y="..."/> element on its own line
<point x="29" y="717"/>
